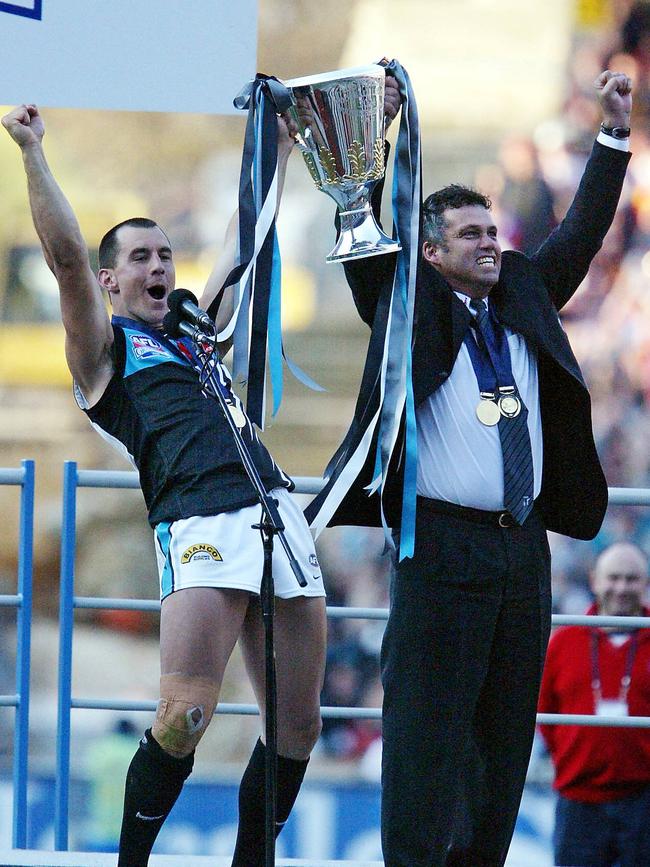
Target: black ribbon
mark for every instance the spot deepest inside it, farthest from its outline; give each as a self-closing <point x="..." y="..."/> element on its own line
<point x="263" y="98"/>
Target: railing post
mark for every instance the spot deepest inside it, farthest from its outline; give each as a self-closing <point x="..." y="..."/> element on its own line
<point x="23" y="655"/>
<point x="66" y="618"/>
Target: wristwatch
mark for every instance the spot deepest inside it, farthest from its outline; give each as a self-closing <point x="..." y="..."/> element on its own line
<point x="616" y="131"/>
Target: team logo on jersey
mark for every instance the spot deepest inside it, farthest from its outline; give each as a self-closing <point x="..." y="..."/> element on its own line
<point x="146" y="347"/>
<point x="201" y="551"/>
<point x="313" y="561"/>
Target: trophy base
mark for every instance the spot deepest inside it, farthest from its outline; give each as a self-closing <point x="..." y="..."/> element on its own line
<point x="360" y="237"/>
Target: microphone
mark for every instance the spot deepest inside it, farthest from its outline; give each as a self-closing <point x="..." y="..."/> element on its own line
<point x="174" y="327"/>
<point x="183" y="308"/>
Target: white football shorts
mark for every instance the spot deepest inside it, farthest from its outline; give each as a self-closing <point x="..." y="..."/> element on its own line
<point x="224" y="551"/>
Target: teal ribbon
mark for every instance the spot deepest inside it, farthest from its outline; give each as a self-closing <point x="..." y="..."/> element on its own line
<point x="275" y="328"/>
<point x="399" y="397"/>
<point x="386" y="392"/>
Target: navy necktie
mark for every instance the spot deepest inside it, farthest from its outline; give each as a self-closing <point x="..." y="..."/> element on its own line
<point x="513" y="432"/>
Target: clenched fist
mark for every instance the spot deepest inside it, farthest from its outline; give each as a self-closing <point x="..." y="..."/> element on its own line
<point x="25" y="125"/>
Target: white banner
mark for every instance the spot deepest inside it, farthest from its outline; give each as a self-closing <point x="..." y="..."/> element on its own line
<point x="135" y="55"/>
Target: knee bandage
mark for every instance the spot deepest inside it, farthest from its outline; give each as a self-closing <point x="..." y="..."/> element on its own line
<point x="185" y="708"/>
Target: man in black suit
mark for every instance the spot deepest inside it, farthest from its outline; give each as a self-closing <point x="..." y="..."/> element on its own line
<point x="505" y="452"/>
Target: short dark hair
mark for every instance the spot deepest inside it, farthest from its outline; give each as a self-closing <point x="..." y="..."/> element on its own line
<point x="109" y="247"/>
<point x="450" y="197"/>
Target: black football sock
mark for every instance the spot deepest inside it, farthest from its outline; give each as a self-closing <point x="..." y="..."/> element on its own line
<point x="249" y="849"/>
<point x="153" y="783"/>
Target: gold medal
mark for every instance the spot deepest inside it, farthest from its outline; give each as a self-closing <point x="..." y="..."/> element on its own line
<point x="488" y="412"/>
<point x="237" y="415"/>
<point x="510" y="406"/>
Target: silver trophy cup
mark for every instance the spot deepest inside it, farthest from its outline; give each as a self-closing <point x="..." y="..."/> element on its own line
<point x="340" y="118"/>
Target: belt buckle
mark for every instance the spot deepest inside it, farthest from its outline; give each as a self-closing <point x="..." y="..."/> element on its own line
<point x="506" y="520"/>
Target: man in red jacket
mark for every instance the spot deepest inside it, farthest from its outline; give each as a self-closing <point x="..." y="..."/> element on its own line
<point x="602" y="774"/>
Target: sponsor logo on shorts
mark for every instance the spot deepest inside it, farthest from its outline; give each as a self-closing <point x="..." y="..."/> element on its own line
<point x="313" y="562"/>
<point x="200" y="552"/>
<point x="146" y="347"/>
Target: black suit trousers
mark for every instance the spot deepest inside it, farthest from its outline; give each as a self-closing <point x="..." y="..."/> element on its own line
<point x="462" y="660"/>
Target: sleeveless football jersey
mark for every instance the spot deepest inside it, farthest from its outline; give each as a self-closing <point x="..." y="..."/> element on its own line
<point x="154" y="411"/>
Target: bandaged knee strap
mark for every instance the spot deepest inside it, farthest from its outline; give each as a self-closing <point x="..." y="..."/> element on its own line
<point x="185" y="708"/>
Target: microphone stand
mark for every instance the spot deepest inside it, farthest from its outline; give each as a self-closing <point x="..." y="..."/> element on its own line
<point x="270" y="526"/>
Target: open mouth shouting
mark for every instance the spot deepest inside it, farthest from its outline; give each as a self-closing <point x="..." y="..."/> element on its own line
<point x="157" y="292"/>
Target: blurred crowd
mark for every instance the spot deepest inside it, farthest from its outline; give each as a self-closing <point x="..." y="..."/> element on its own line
<point x="531" y="185"/>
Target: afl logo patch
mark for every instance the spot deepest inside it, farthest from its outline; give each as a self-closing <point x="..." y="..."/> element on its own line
<point x="146" y="347"/>
<point x="200" y="552"/>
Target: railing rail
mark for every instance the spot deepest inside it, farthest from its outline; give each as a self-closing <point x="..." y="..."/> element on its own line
<point x="74" y="478"/>
<point x="22" y="602"/>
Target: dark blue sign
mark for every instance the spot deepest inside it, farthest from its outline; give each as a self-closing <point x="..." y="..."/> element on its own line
<point x="329" y="821"/>
<point x="33" y="11"/>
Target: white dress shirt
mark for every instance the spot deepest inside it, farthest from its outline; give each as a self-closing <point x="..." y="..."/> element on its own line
<point x="459" y="459"/>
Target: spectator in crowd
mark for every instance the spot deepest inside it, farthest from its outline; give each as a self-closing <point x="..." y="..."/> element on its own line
<point x="357" y="576"/>
<point x="526" y="195"/>
<point x="107" y="762"/>
<point x="602" y="774"/>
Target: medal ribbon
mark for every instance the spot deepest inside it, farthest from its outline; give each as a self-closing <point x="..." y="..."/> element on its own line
<point x="490" y="356"/>
<point x="518" y="470"/>
<point x="595" y="667"/>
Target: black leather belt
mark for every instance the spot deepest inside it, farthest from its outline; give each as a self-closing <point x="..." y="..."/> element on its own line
<point x="501" y="519"/>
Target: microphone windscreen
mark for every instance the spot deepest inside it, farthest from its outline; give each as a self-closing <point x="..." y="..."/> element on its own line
<point x="171" y="322"/>
<point x="179" y="297"/>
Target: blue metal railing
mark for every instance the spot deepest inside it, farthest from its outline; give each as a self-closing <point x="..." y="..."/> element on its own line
<point x="74" y="478"/>
<point x="22" y="602"/>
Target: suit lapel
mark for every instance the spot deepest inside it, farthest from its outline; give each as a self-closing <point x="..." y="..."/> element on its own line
<point x="522" y="303"/>
<point x="524" y="318"/>
<point x="441" y="322"/>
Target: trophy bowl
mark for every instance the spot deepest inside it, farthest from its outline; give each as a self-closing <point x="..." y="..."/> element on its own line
<point x="340" y="119"/>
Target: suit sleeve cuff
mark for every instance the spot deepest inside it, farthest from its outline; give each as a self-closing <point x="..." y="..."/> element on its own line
<point x="618" y="144"/>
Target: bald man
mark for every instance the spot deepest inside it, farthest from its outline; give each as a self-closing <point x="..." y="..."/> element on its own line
<point x="602" y="774"/>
